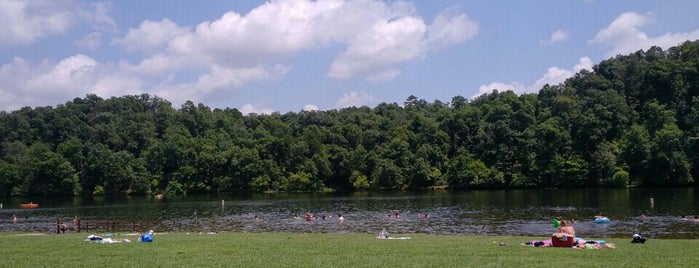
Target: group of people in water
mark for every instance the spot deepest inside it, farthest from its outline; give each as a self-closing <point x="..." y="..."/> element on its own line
<point x="695" y="219"/>
<point x="310" y="217"/>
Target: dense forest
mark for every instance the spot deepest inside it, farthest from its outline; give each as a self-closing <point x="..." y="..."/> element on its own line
<point x="631" y="122"/>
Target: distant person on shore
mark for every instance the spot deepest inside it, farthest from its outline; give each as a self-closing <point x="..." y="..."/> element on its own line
<point x="76" y="223"/>
<point x="683" y="218"/>
<point x="14" y="218"/>
<point x="696" y="218"/>
<point x="340" y="218"/>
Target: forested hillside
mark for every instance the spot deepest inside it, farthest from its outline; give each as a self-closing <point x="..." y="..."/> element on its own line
<point x="633" y="121"/>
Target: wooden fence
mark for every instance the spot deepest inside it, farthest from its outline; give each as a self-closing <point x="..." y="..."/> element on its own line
<point x="104" y="225"/>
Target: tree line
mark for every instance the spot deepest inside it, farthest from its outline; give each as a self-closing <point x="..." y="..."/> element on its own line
<point x="633" y="121"/>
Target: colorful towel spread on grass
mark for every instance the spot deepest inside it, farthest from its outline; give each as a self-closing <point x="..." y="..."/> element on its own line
<point x="395" y="238"/>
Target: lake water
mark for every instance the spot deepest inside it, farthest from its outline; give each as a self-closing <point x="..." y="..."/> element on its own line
<point x="653" y="212"/>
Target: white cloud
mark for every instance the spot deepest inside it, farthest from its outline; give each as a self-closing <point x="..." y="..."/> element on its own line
<point x="219" y="78"/>
<point x="385" y="44"/>
<point x="151" y="35"/>
<point x="237" y="49"/>
<point x="384" y="76"/>
<point x="157" y="64"/>
<point x="447" y="30"/>
<point x="34" y="85"/>
<point x="91" y="41"/>
<point x="356" y="99"/>
<point x="97" y="15"/>
<point x="310" y="107"/>
<point x="71" y="74"/>
<point x="553" y="76"/>
<point x="392" y="39"/>
<point x="51" y="83"/>
<point x="499" y="86"/>
<point x="557" y="36"/>
<point x="216" y="58"/>
<point x="12" y="76"/>
<point x="250" y="109"/>
<point x="377" y="36"/>
<point x="272" y="30"/>
<point x="624" y="35"/>
<point x="23" y="22"/>
<point x="116" y="84"/>
<point x="583" y="63"/>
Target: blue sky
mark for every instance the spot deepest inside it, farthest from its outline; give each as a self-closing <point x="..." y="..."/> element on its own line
<point x="293" y="55"/>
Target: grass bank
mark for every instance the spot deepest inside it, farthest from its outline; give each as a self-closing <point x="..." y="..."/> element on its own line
<point x="331" y="250"/>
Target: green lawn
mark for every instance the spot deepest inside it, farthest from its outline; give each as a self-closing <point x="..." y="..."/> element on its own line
<point x="331" y="250"/>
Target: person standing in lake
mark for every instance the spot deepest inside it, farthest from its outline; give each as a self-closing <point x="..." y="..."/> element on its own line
<point x="309" y="217"/>
<point x="63" y="227"/>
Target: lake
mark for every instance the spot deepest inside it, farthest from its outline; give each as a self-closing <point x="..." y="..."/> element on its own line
<point x="653" y="212"/>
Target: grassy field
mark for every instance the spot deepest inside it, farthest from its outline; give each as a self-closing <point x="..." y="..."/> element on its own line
<point x="330" y="250"/>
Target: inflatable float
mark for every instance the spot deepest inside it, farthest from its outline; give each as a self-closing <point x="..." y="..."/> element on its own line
<point x="602" y="220"/>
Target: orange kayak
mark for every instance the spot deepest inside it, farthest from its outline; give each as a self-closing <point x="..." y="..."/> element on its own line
<point x="29" y="205"/>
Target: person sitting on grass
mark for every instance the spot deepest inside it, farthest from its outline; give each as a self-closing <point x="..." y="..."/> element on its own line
<point x="565" y="237"/>
<point x="566" y="229"/>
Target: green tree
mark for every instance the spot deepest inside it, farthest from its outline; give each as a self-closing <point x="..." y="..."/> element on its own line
<point x="51" y="174"/>
<point x="635" y="152"/>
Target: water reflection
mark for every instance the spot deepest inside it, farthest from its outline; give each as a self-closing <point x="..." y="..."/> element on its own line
<point x="521" y="212"/>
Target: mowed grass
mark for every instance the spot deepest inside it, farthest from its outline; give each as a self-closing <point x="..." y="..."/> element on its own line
<point x="331" y="250"/>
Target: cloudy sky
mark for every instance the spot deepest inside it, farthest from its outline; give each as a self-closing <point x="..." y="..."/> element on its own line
<point x="293" y="55"/>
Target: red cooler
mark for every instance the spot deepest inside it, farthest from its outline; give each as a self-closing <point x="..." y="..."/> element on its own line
<point x="563" y="241"/>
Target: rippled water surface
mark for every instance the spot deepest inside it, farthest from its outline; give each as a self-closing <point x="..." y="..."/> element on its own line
<point x="654" y="212"/>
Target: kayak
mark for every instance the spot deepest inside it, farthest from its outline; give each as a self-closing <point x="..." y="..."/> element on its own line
<point x="29" y="205"/>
